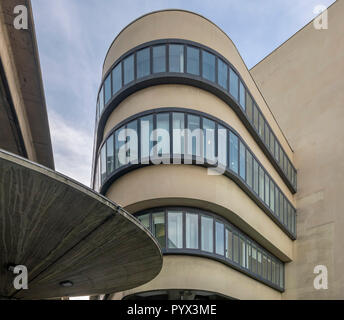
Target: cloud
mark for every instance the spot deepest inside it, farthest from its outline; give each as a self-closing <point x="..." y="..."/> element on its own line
<point x="72" y="148"/>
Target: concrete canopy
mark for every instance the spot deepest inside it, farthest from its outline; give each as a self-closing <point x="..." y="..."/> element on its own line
<point x="61" y="230"/>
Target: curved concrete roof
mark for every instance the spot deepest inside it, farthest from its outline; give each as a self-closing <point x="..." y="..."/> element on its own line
<point x="61" y="230"/>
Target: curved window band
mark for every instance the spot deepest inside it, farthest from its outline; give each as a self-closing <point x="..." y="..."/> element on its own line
<point x="159" y="136"/>
<point x="174" y="61"/>
<point x="191" y="231"/>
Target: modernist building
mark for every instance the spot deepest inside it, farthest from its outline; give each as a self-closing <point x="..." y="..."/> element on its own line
<point x="222" y="202"/>
<point x="65" y="234"/>
<point x="245" y="202"/>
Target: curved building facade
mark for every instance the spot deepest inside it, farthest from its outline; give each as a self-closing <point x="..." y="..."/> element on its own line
<point x="186" y="143"/>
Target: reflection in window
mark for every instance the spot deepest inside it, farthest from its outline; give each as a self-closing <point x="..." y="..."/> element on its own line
<point x="220" y="240"/>
<point x="261" y="183"/>
<point x="176" y="58"/>
<point x="229" y="241"/>
<point x="222" y="146"/>
<point x="242" y="95"/>
<point x="222" y="74"/>
<point x="208" y="66"/>
<point x="159" y="227"/>
<point x="163" y="136"/>
<point x="255" y="176"/>
<point x="101" y="100"/>
<point x="175" y="229"/>
<point x="191" y="226"/>
<point x="195" y="136"/>
<point x="249" y="107"/>
<point x="209" y="139"/>
<point x="159" y="59"/>
<point x="249" y="166"/>
<point x="242" y="161"/>
<point x="144" y="219"/>
<point x="261" y="126"/>
<point x="132" y="143"/>
<point x="143" y="62"/>
<point x="118" y="145"/>
<point x="178" y="133"/>
<point x="255" y="117"/>
<point x="242" y="247"/>
<point x="272" y="196"/>
<point x="233" y="84"/>
<point x="146" y="141"/>
<point x="267" y="190"/>
<point x="235" y="248"/>
<point x="207" y="234"/>
<point x="117" y="78"/>
<point x="110" y="155"/>
<point x="107" y="88"/>
<point x="192" y="65"/>
<point x="128" y="65"/>
<point x="103" y="163"/>
<point x="233" y="152"/>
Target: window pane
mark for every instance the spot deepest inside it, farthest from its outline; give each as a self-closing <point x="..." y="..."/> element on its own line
<point x="255" y="117"/>
<point x="163" y="135"/>
<point x="176" y="58"/>
<point x="273" y="271"/>
<point x="265" y="267"/>
<point x="159" y="59"/>
<point x="144" y="220"/>
<point x="255" y="176"/>
<point x="229" y="245"/>
<point x="192" y="64"/>
<point x="267" y="190"/>
<point x="132" y="142"/>
<point x="248" y="255"/>
<point x="249" y="169"/>
<point x="242" y="96"/>
<point x="222" y="146"/>
<point x="233" y="84"/>
<point x="267" y="134"/>
<point x="276" y="201"/>
<point x="233" y="152"/>
<point x="242" y="248"/>
<point x="261" y="183"/>
<point x="259" y="262"/>
<point x="222" y="74"/>
<point x="261" y="126"/>
<point x="101" y="100"/>
<point x="178" y="133"/>
<point x="254" y="260"/>
<point x="272" y="142"/>
<point x="143" y="62"/>
<point x="175" y="229"/>
<point x="191" y="226"/>
<point x="207" y="234"/>
<point x="277" y="147"/>
<point x="209" y="139"/>
<point x="269" y="269"/>
<point x="128" y="65"/>
<point x="242" y="161"/>
<point x="103" y="163"/>
<point x="159" y="227"/>
<point x="272" y="196"/>
<point x="117" y="78"/>
<point x="249" y="107"/>
<point x="119" y="146"/>
<point x="110" y="155"/>
<point x="235" y="248"/>
<point x="220" y="240"/>
<point x="146" y="141"/>
<point x="107" y="90"/>
<point x="195" y="135"/>
<point x="208" y="66"/>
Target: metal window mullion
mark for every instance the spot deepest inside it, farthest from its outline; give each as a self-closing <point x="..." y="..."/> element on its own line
<point x="200" y="54"/>
<point x="167" y="67"/>
<point x="216" y="70"/>
<point x="151" y="59"/>
<point x="184" y="229"/>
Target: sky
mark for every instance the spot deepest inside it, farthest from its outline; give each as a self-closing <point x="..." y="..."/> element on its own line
<point x="74" y="35"/>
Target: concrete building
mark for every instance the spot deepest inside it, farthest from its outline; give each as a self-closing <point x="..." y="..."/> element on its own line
<point x="70" y="240"/>
<point x="236" y="172"/>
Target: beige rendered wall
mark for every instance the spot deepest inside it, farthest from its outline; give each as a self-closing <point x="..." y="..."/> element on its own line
<point x="190" y="26"/>
<point x="190" y="185"/>
<point x="195" y="273"/>
<point x="304" y="86"/>
<point x="182" y="96"/>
